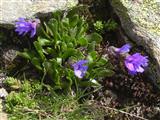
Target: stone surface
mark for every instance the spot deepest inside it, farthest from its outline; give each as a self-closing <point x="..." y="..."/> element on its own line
<point x="140" y="20"/>
<point x="11" y="10"/>
<point x="3" y="116"/>
<point x="7" y="56"/>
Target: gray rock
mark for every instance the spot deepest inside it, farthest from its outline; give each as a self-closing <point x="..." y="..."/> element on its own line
<point x="7" y="56"/>
<point x="3" y="116"/>
<point x="11" y="10"/>
<point x="140" y="20"/>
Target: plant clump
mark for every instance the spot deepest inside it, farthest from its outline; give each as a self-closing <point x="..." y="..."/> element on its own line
<point x="60" y="49"/>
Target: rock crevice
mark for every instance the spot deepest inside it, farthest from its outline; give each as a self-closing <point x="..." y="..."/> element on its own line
<point x="140" y="21"/>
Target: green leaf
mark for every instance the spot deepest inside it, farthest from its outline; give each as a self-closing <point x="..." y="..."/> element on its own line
<point x="83" y="41"/>
<point x="69" y="52"/>
<point x="95" y="37"/>
<point x="64" y="26"/>
<point x="26" y="54"/>
<point x="63" y="46"/>
<point x="69" y="40"/>
<point x="92" y="56"/>
<point x="48" y="30"/>
<point x="52" y="69"/>
<point x="66" y="23"/>
<point x="54" y="27"/>
<point x="81" y="28"/>
<point x="43" y="33"/>
<point x="53" y="23"/>
<point x="90" y="83"/>
<point x="50" y="51"/>
<point x="79" y="55"/>
<point x="105" y="63"/>
<point x="69" y="77"/>
<point x="39" y="50"/>
<point x="73" y="20"/>
<point x="80" y="32"/>
<point x="101" y="72"/>
<point x="73" y="32"/>
<point x="66" y="38"/>
<point x="91" y="46"/>
<point x="43" y="41"/>
<point x="36" y="62"/>
<point x="70" y="45"/>
<point x="102" y="62"/>
<point x="57" y="15"/>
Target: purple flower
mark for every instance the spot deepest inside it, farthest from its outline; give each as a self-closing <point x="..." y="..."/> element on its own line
<point x="136" y="63"/>
<point x="24" y="26"/>
<point x="79" y="68"/>
<point x="124" y="49"/>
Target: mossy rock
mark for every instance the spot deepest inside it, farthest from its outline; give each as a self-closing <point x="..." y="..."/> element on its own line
<point x="140" y="20"/>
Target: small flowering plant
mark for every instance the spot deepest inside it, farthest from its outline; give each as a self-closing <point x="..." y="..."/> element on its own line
<point x="135" y="63"/>
<point x="65" y="52"/>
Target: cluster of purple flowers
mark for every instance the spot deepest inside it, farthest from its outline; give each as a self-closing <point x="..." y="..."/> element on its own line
<point x="80" y="69"/>
<point x="134" y="63"/>
<point x="24" y="26"/>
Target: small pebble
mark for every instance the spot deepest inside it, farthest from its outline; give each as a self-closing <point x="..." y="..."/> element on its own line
<point x="3" y="93"/>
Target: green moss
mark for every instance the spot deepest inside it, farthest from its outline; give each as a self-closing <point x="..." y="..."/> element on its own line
<point x="33" y="102"/>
